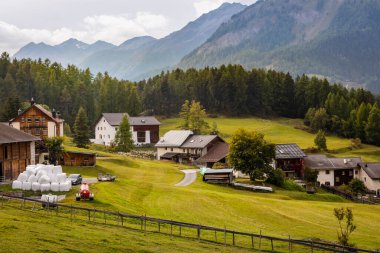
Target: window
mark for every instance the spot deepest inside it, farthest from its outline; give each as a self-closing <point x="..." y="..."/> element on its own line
<point x="171" y="149"/>
<point x="337" y="179"/>
<point x="116" y="128"/>
<point x="37" y="120"/>
<point x="356" y="172"/>
<point x="101" y="128"/>
<point x="327" y="183"/>
<point x="350" y="173"/>
<point x="29" y="120"/>
<point x="183" y="150"/>
<point x="22" y="119"/>
<point x="141" y="137"/>
<point x="166" y="148"/>
<point x="109" y="137"/>
<point x="327" y="172"/>
<point x="343" y="173"/>
<point x="43" y="119"/>
<point x="100" y="136"/>
<point x="98" y="128"/>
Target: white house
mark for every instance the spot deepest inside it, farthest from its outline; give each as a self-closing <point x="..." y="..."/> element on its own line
<point x="369" y="173"/>
<point x="145" y="129"/>
<point x="184" y="147"/>
<point x="334" y="171"/>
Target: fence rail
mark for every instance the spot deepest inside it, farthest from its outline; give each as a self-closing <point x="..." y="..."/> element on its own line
<point x="257" y="242"/>
<point x="345" y="195"/>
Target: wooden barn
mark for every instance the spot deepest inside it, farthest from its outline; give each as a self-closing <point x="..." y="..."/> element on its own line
<point x="76" y="158"/>
<point x="220" y="176"/>
<point x="17" y="150"/>
<point x="290" y="158"/>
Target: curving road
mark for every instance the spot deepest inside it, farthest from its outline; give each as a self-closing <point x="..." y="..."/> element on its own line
<point x="190" y="177"/>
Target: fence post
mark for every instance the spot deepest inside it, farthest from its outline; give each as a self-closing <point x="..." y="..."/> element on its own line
<point x="2" y="200"/>
<point x="145" y="224"/>
<point x="260" y="242"/>
<point x="71" y="212"/>
<point x="122" y="220"/>
<point x="180" y="230"/>
<point x="94" y="216"/>
<point x="199" y="233"/>
<point x="142" y="221"/>
<point x="253" y="246"/>
<point x="290" y="245"/>
<point x="171" y="230"/>
<point x="159" y="227"/>
<point x="271" y="242"/>
<point x="216" y="239"/>
<point x="311" y="246"/>
<point x="105" y="219"/>
<point x="89" y="215"/>
<point x="233" y="238"/>
<point x="225" y="236"/>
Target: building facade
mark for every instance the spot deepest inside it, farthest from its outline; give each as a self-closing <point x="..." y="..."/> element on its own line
<point x="17" y="150"/>
<point x="38" y="121"/>
<point x="290" y="158"/>
<point x="145" y="129"/>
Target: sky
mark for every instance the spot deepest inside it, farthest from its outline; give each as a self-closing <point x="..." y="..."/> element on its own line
<point x="114" y="21"/>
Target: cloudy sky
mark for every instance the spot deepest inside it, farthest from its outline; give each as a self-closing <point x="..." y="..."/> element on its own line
<point x="54" y="21"/>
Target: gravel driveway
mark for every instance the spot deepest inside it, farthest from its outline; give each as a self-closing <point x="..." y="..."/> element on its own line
<point x="190" y="177"/>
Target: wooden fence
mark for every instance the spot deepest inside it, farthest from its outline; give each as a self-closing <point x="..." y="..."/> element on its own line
<point x="258" y="242"/>
<point x="334" y="190"/>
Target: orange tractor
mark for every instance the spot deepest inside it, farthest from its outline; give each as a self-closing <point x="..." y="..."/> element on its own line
<point x="84" y="193"/>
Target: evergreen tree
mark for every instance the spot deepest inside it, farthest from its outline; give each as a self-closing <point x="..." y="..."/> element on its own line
<point x="320" y="140"/>
<point x="184" y="114"/>
<point x="81" y="129"/>
<point x="361" y="121"/>
<point x="123" y="138"/>
<point x="11" y="108"/>
<point x="67" y="129"/>
<point x="372" y="128"/>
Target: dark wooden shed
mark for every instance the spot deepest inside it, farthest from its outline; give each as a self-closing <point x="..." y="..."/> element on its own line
<point x="76" y="158"/>
<point x="220" y="176"/>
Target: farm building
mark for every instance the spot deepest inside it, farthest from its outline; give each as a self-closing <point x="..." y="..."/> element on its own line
<point x="38" y="121"/>
<point x="75" y="158"/>
<point x="220" y="176"/>
<point x="369" y="173"/>
<point x="290" y="158"/>
<point x="17" y="150"/>
<point x="333" y="171"/>
<point x="183" y="146"/>
<point x="145" y="129"/>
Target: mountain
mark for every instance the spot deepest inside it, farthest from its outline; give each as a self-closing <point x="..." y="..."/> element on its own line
<point x="338" y="39"/>
<point x="70" y="51"/>
<point x="150" y="56"/>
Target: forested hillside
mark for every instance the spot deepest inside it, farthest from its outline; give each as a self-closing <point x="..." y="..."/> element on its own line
<point x="228" y="90"/>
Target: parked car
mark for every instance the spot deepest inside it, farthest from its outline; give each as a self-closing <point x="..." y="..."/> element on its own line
<point x="75" y="179"/>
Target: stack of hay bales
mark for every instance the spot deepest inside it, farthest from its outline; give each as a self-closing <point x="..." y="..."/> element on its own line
<point x="42" y="178"/>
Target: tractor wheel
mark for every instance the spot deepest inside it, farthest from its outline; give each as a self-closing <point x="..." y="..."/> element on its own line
<point x="77" y="198"/>
<point x="91" y="197"/>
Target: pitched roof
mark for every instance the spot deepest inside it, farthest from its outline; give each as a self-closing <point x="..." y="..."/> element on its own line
<point x="48" y="113"/>
<point x="372" y="169"/>
<point x="174" y="138"/>
<point x="198" y="141"/>
<point x="219" y="151"/>
<point x="114" y="119"/>
<point x="322" y="162"/>
<point x="12" y="135"/>
<point x="218" y="171"/>
<point x="289" y="151"/>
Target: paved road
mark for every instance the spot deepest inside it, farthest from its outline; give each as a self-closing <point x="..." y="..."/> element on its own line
<point x="190" y="177"/>
<point x="90" y="180"/>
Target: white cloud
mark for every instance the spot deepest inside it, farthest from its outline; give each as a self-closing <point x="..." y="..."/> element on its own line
<point x="111" y="28"/>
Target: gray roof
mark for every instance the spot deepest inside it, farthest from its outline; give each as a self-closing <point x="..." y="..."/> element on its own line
<point x="174" y="138"/>
<point x="114" y="119"/>
<point x="12" y="135"/>
<point x="372" y="169"/>
<point x="322" y="162"/>
<point x="219" y="151"/>
<point x="198" y="141"/>
<point x="289" y="151"/>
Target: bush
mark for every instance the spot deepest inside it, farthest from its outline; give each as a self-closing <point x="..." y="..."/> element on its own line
<point x="356" y="143"/>
<point x="276" y="177"/>
<point x="292" y="186"/>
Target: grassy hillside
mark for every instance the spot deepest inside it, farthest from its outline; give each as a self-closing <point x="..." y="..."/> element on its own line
<point x="282" y="130"/>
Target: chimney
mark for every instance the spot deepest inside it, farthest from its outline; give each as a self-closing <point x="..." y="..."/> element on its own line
<point x="54" y="113"/>
<point x="32" y="101"/>
<point x="19" y="111"/>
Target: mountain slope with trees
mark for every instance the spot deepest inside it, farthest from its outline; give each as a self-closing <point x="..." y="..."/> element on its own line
<point x="338" y="39"/>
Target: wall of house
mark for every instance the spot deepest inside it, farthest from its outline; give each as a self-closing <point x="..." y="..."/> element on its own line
<point x="151" y="133"/>
<point x="61" y="129"/>
<point x="14" y="157"/>
<point x="104" y="132"/>
<point x="163" y="150"/>
<point x="324" y="177"/>
<point x="371" y="184"/>
<point x="74" y="159"/>
<point x="15" y="125"/>
<point x="51" y="129"/>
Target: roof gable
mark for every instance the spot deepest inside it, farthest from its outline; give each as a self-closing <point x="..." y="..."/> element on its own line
<point x="372" y="169"/>
<point x="41" y="109"/>
<point x="322" y="162"/>
<point x="199" y="141"/>
<point x="174" y="138"/>
<point x="11" y="135"/>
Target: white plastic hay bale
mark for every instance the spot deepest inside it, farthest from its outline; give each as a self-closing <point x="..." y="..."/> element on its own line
<point x="49" y="198"/>
<point x="32" y="179"/>
<point x="26" y="186"/>
<point x="22" y="177"/>
<point x="16" y="185"/>
<point x="61" y="177"/>
<point x="40" y="173"/>
<point x="53" y="179"/>
<point x="57" y="169"/>
<point x="64" y="187"/>
<point x="31" y="166"/>
<point x="44" y="179"/>
<point x="54" y="187"/>
<point x="36" y="186"/>
<point x="45" y="187"/>
<point x="28" y="173"/>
